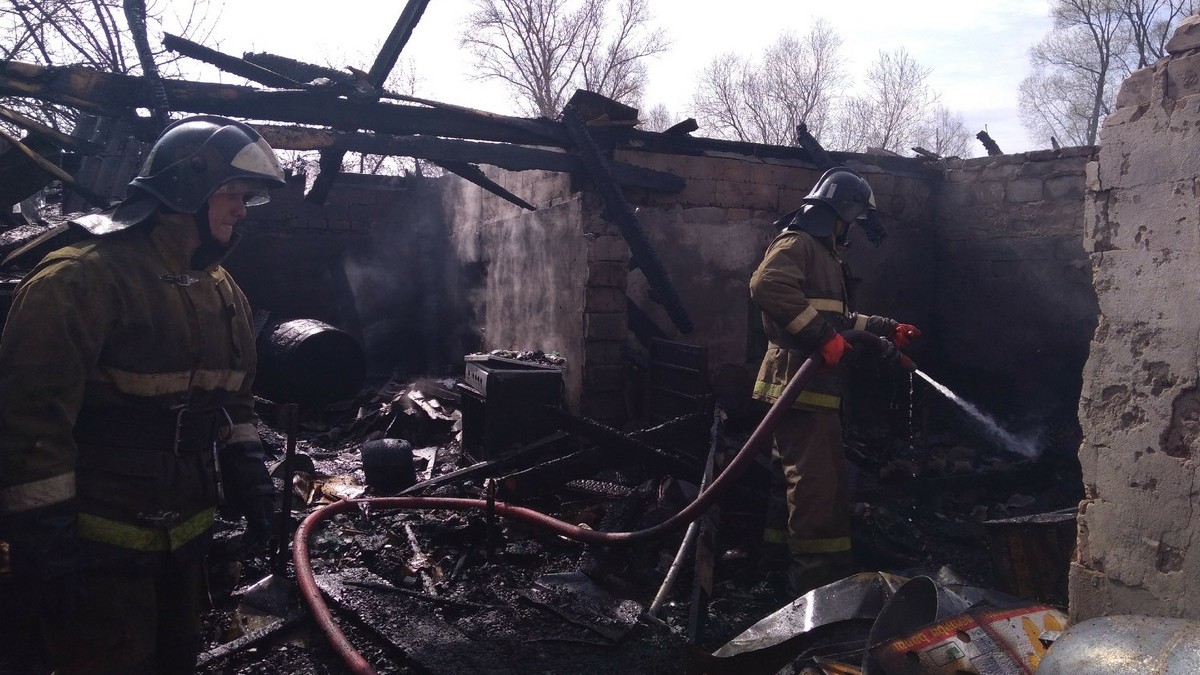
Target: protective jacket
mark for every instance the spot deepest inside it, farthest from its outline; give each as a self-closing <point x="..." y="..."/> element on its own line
<point x="801" y="290"/>
<point x="120" y="367"/>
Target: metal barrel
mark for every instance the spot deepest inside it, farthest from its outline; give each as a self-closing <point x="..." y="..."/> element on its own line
<point x="308" y="362"/>
<point x="1115" y="645"/>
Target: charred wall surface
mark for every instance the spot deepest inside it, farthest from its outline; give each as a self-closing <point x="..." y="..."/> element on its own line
<point x="366" y="262"/>
<point x="984" y="254"/>
<point x="1014" y="306"/>
<point x="525" y="274"/>
<point x="1139" y="407"/>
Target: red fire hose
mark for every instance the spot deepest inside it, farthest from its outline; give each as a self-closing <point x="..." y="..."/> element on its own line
<point x="311" y="594"/>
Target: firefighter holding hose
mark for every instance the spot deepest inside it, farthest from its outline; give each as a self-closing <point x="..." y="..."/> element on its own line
<point x="125" y="408"/>
<point x="800" y="287"/>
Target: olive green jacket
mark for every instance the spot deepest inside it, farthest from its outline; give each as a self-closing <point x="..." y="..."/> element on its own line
<point x="119" y="327"/>
<point x="801" y="290"/>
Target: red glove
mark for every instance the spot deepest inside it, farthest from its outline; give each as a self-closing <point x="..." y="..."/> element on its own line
<point x="833" y="349"/>
<point x="905" y="334"/>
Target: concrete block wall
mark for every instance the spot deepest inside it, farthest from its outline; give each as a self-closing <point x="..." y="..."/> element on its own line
<point x="1137" y="551"/>
<point x="1014" y="307"/>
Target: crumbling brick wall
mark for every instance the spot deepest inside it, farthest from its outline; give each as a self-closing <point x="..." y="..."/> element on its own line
<point x="1139" y="407"/>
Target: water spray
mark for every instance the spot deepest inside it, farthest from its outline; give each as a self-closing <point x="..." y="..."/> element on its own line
<point x="1027" y="447"/>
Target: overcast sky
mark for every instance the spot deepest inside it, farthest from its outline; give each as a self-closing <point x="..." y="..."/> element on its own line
<point x="978" y="51"/>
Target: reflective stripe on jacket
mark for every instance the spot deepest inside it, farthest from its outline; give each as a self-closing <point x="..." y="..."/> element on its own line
<point x="801" y="290"/>
<point x="121" y="323"/>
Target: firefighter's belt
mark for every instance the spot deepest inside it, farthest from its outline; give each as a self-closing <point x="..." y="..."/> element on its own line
<point x="179" y="430"/>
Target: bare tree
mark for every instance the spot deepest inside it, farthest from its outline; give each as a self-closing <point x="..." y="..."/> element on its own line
<point x="1151" y="23"/>
<point x="795" y="80"/>
<point x="897" y="99"/>
<point x="943" y="132"/>
<point x="1057" y="102"/>
<point x="545" y="49"/>
<point x="658" y="118"/>
<point x="92" y="33"/>
<point x="1078" y="66"/>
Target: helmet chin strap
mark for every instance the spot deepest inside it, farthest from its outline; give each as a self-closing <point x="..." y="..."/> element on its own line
<point x="210" y="249"/>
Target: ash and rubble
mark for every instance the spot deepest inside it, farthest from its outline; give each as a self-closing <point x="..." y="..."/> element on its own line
<point x="460" y="592"/>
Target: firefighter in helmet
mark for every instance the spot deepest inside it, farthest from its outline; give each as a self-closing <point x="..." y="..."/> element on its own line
<point x="800" y="288"/>
<point x="125" y="408"/>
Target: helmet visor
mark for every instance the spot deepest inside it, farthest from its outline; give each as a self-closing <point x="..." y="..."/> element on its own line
<point x="253" y="193"/>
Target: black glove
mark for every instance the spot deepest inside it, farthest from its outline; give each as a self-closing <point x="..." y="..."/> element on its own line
<point x="260" y="524"/>
<point x="249" y="491"/>
<point x="47" y="555"/>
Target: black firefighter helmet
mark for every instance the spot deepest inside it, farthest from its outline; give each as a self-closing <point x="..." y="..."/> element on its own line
<point x="190" y="161"/>
<point x="850" y="198"/>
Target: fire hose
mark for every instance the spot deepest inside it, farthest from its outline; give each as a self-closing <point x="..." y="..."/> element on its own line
<point x="311" y="593"/>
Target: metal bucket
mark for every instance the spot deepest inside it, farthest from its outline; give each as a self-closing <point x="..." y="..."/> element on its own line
<point x="308" y="362"/>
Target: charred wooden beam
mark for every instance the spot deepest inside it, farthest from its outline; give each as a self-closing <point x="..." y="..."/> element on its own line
<point x="300" y="71"/>
<point x="64" y="141"/>
<point x="706" y="542"/>
<point x="683" y="128"/>
<point x="328" y="167"/>
<point x="526" y="455"/>
<point x="697" y="146"/>
<point x="470" y="172"/>
<point x="993" y="149"/>
<point x="552" y="474"/>
<point x="113" y="94"/>
<point x="502" y="155"/>
<point x="228" y="63"/>
<point x="812" y="146"/>
<point x="40" y="162"/>
<point x="135" y="17"/>
<point x="618" y="211"/>
<point x="401" y="32"/>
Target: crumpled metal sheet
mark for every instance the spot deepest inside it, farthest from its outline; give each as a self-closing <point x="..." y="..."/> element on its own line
<point x="861" y="596"/>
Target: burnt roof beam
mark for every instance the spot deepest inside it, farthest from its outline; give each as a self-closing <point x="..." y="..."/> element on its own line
<point x="502" y="155"/>
<point x="228" y="63"/>
<point x="113" y="95"/>
<point x="401" y="32"/>
<point x="472" y="173"/>
<point x="618" y="211"/>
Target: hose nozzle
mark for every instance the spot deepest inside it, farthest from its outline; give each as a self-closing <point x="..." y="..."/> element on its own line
<point x="886" y="350"/>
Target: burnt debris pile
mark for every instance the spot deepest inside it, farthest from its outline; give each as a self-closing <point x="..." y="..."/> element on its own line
<point x="460" y="590"/>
